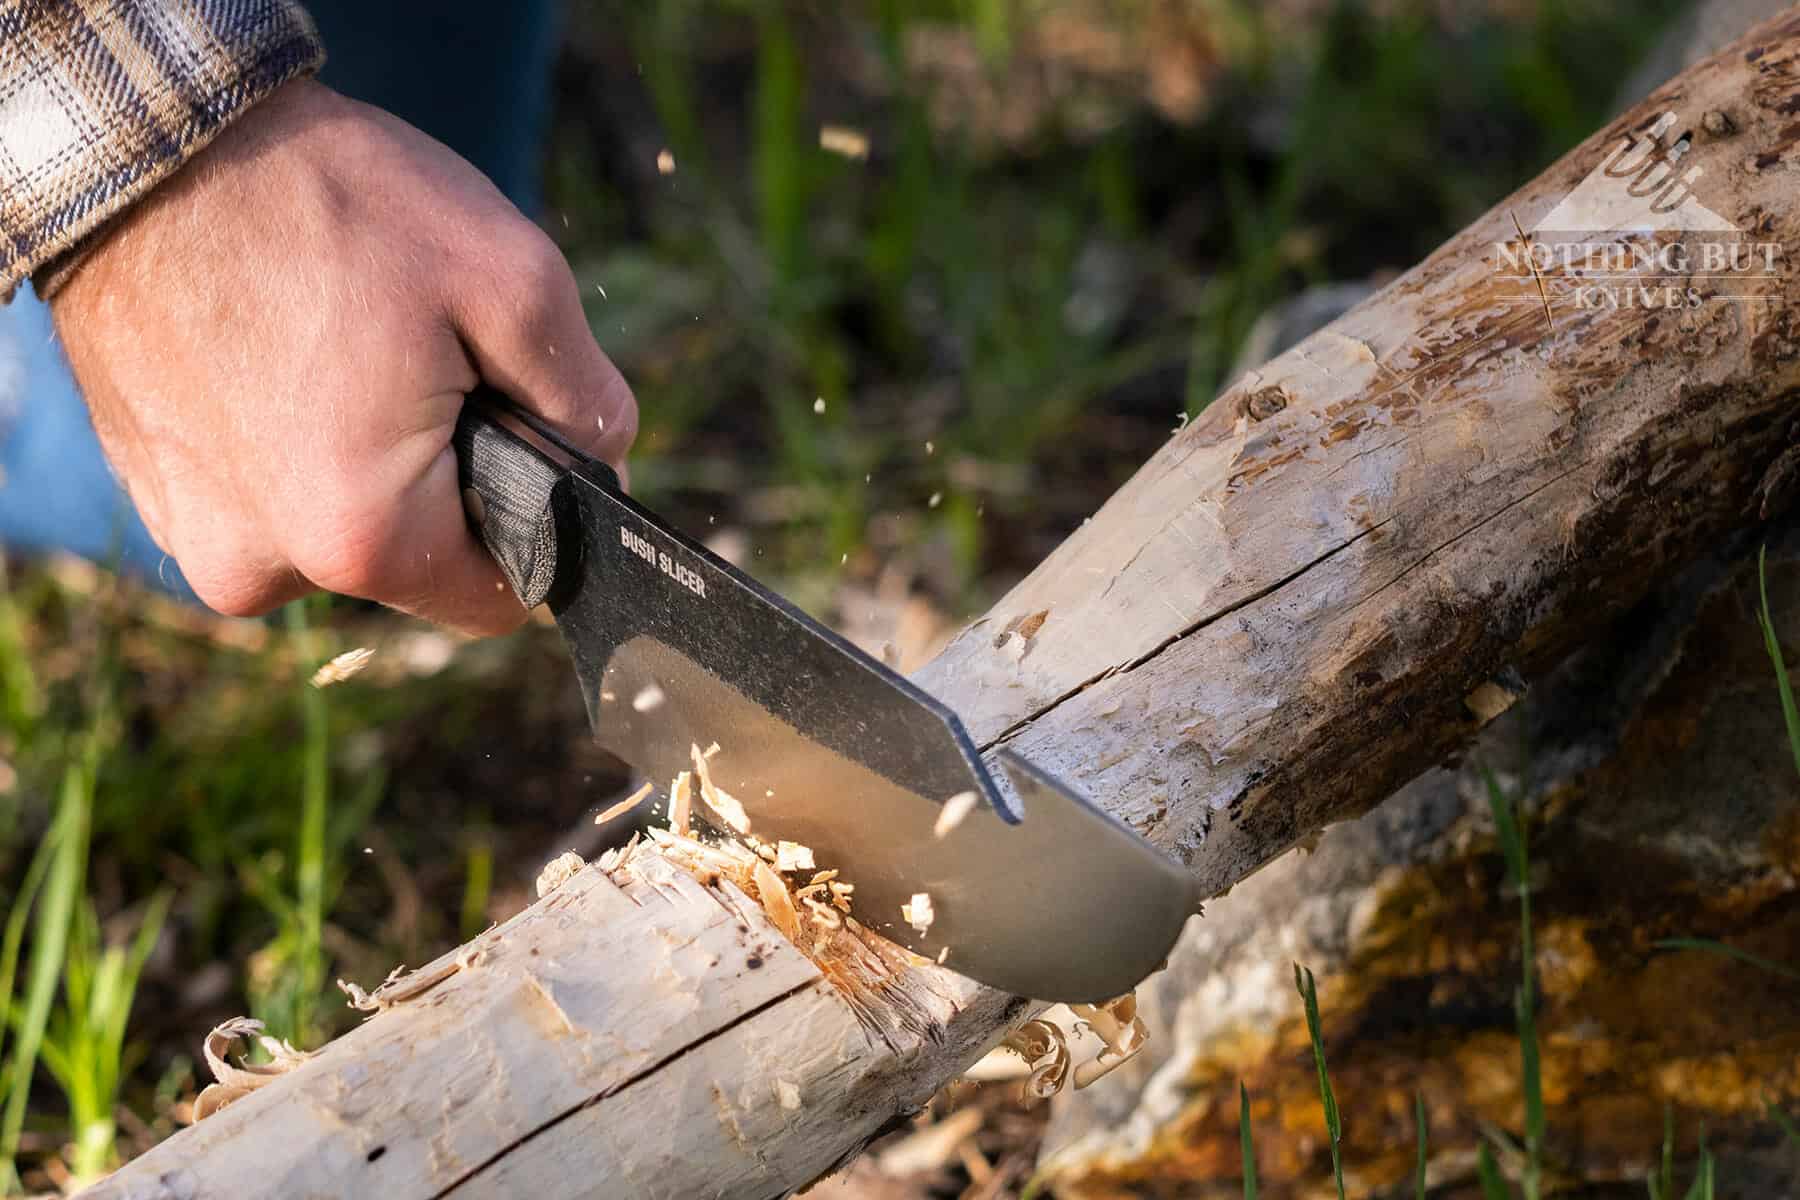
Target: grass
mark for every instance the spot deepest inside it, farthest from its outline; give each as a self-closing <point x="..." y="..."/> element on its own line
<point x="1514" y="846"/>
<point x="54" y="909"/>
<point x="1246" y="1142"/>
<point x="1334" y="1128"/>
<point x="1009" y="303"/>
<point x="1516" y="851"/>
<point x="84" y="1048"/>
<point x="1783" y="686"/>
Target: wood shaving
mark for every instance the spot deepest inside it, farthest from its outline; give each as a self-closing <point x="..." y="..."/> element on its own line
<point x="772" y="890"/>
<point x="400" y="986"/>
<point x="1040" y="1056"/>
<point x="681" y="803"/>
<point x="619" y="856"/>
<point x="792" y="856"/>
<point x="955" y="810"/>
<point x="1045" y="1048"/>
<point x="919" y="913"/>
<point x="722" y="802"/>
<point x="648" y="699"/>
<point x="558" y="871"/>
<point x="844" y="141"/>
<point x="1118" y="1025"/>
<point x="822" y="913"/>
<point x="235" y="1082"/>
<point x="626" y="805"/>
<point x="370" y="1001"/>
<point x="349" y="663"/>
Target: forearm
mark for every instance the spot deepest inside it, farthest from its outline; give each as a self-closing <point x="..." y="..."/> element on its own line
<point x="101" y="100"/>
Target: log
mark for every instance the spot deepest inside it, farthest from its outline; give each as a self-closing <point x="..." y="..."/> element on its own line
<point x="1314" y="591"/>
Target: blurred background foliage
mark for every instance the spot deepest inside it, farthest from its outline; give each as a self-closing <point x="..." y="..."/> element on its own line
<point x="884" y="377"/>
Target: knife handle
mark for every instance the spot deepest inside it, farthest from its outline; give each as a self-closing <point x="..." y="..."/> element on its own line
<point x="507" y="486"/>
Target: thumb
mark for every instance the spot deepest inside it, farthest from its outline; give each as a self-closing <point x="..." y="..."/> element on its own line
<point x="529" y="337"/>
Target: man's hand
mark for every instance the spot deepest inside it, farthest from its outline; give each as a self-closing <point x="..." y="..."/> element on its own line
<point x="276" y="342"/>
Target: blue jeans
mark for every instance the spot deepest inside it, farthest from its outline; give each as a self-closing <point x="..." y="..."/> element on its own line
<point x="471" y="73"/>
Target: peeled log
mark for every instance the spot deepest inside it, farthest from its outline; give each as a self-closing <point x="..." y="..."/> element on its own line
<point x="1270" y="627"/>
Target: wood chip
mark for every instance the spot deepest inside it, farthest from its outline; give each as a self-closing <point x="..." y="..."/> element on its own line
<point x="844" y="141"/>
<point x="681" y="803"/>
<point x="772" y="890"/>
<point x="919" y="912"/>
<point x="648" y="699"/>
<point x="792" y="856"/>
<point x="558" y="871"/>
<point x="722" y="802"/>
<point x="626" y="805"/>
<point x="955" y="809"/>
<point x="349" y="663"/>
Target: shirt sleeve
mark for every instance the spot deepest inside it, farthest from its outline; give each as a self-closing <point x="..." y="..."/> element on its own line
<point x="100" y="100"/>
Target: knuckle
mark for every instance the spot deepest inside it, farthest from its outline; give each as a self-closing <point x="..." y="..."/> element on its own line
<point x="343" y="551"/>
<point x="228" y="588"/>
<point x="622" y="418"/>
<point x="348" y="563"/>
<point x="541" y="277"/>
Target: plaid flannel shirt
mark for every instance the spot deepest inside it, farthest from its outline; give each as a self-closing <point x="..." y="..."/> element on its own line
<point x="100" y="100"/>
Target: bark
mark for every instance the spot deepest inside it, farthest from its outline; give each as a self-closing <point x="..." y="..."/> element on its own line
<point x="1278" y="620"/>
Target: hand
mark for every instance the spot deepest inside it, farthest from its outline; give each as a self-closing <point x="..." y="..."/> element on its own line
<point x="275" y="343"/>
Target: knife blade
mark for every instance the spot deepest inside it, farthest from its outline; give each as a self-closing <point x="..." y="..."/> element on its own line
<point x="1036" y="891"/>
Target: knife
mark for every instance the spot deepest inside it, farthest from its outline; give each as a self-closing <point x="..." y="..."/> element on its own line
<point x="1035" y="891"/>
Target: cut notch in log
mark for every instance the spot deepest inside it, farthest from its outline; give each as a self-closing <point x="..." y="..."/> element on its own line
<point x="1275" y="623"/>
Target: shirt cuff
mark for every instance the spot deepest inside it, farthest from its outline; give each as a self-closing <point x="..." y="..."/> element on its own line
<point x="101" y="100"/>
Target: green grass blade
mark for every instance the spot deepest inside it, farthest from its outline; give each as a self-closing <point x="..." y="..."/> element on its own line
<point x="14" y="936"/>
<point x="307" y="935"/>
<point x="1247" y="1142"/>
<point x="49" y="943"/>
<point x="1786" y="1124"/>
<point x="1506" y="830"/>
<point x="1710" y="946"/>
<point x="1309" y="997"/>
<point x="1493" y="1184"/>
<point x="1516" y="849"/>
<point x="1419" y="1125"/>
<point x="478" y="885"/>
<point x="1766" y="619"/>
<point x="1702" y="1186"/>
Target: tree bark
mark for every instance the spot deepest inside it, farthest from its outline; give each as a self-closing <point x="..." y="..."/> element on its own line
<point x="1295" y="606"/>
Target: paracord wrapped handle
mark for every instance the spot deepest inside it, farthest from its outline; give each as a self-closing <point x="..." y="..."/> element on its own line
<point x="506" y="486"/>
